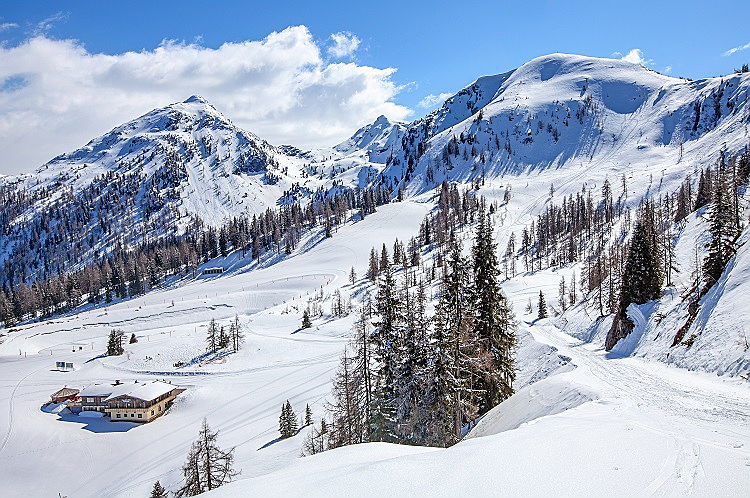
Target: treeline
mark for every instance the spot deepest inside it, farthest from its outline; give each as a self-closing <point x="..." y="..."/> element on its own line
<point x="649" y="257"/>
<point x="417" y="376"/>
<point x="128" y="272"/>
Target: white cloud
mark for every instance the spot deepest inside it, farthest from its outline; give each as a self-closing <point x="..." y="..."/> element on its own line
<point x="56" y="96"/>
<point x="736" y="49"/>
<point x="430" y="101"/>
<point x="7" y="25"/>
<point x="48" y="23"/>
<point x="636" y="56"/>
<point x="667" y="69"/>
<point x="344" y="43"/>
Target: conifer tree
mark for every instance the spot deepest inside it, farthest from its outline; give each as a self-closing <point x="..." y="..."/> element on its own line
<point x="723" y="227"/>
<point x="352" y="276"/>
<point x="114" y="344"/>
<point x="456" y="306"/>
<point x="542" y="307"/>
<point x="287" y="421"/>
<point x="306" y="322"/>
<point x="641" y="280"/>
<point x="374" y="268"/>
<point x="308" y="415"/>
<point x="492" y="320"/>
<point x="236" y="335"/>
<point x="385" y="352"/>
<point x="212" y="336"/>
<point x="158" y="491"/>
<point x="207" y="466"/>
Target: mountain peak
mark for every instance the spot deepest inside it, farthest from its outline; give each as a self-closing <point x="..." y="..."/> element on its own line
<point x="197" y="99"/>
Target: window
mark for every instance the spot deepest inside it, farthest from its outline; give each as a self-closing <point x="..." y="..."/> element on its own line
<point x="152" y="412"/>
<point x="140" y="415"/>
<point x="118" y="415"/>
<point x="159" y="407"/>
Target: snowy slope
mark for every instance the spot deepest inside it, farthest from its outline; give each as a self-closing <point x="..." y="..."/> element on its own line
<point x="582" y="422"/>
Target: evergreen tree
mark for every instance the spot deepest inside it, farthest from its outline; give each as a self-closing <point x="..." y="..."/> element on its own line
<point x="374" y="268"/>
<point x="641" y="280"/>
<point x="223" y="339"/>
<point x="704" y="189"/>
<point x="287" y="421"/>
<point x="456" y="306"/>
<point x="114" y="344"/>
<point x="492" y="320"/>
<point x="542" y="308"/>
<point x="212" y="336"/>
<point x="207" y="466"/>
<point x="437" y="416"/>
<point x="306" y="322"/>
<point x="308" y="415"/>
<point x="158" y="491"/>
<point x="386" y="341"/>
<point x="723" y="228"/>
<point x="352" y="276"/>
<point x="236" y="335"/>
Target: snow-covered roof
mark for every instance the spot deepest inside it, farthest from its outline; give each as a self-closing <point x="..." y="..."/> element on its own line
<point x="65" y="391"/>
<point x="144" y="391"/>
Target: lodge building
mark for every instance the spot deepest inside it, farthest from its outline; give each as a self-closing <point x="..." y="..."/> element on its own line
<point x="136" y="402"/>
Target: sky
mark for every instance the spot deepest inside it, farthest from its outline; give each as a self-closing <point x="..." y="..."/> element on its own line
<point x="311" y="73"/>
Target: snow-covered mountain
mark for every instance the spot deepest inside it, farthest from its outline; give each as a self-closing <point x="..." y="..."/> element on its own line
<point x="550" y="133"/>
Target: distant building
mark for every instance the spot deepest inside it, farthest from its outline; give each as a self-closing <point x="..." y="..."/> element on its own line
<point x="63" y="366"/>
<point x="64" y="394"/>
<point x="213" y="271"/>
<point x="137" y="402"/>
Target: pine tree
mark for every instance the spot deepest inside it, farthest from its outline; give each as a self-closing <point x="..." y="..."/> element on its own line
<point x="542" y="308"/>
<point x="492" y="320"/>
<point x="158" y="491"/>
<point x="641" y="280"/>
<point x="308" y="415"/>
<point x="374" y="269"/>
<point x="212" y="336"/>
<point x="386" y="342"/>
<point x="437" y="416"/>
<point x="562" y="295"/>
<point x="236" y="335"/>
<point x="352" y="276"/>
<point x="223" y="340"/>
<point x="114" y="344"/>
<point x="306" y="322"/>
<point x="456" y="307"/>
<point x="704" y="189"/>
<point x="723" y="227"/>
<point x="287" y="421"/>
<point x="207" y="466"/>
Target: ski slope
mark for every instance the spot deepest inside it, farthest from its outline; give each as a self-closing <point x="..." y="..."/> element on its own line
<point x="607" y="427"/>
<point x="241" y="396"/>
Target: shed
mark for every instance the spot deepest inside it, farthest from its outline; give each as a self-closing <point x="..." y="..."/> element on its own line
<point x="64" y="394"/>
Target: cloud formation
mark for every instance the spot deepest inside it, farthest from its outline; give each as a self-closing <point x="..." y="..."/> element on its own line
<point x="344" y="43"/>
<point x="636" y="56"/>
<point x="734" y="50"/>
<point x="56" y="96"/>
<point x="430" y="101"/>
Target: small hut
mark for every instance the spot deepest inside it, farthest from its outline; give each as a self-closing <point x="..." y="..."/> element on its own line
<point x="64" y="394"/>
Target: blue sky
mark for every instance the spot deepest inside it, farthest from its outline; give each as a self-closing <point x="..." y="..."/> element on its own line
<point x="436" y="47"/>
